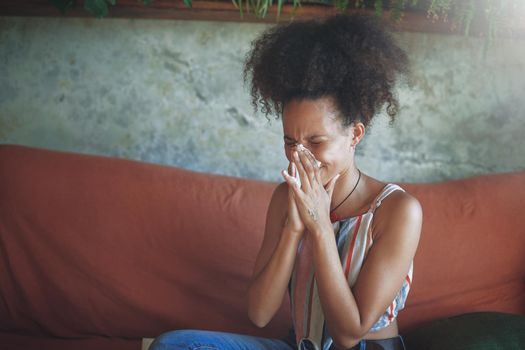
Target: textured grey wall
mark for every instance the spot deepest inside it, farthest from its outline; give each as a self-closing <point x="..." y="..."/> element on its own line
<point x="171" y="92"/>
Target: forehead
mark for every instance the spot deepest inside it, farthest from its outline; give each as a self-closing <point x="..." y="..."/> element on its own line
<point x="310" y="116"/>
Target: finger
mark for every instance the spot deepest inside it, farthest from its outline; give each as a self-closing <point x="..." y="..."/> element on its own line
<point x="331" y="185"/>
<point x="293" y="173"/>
<point x="305" y="181"/>
<point x="290" y="180"/>
<point x="314" y="163"/>
<point x="297" y="194"/>
<point x="308" y="166"/>
<point x="292" y="206"/>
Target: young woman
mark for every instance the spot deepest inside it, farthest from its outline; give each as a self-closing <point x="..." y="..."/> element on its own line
<point x="338" y="242"/>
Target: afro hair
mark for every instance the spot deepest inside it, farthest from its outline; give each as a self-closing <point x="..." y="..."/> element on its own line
<point x="351" y="58"/>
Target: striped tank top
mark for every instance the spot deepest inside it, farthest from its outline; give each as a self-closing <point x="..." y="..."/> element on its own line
<point x="354" y="239"/>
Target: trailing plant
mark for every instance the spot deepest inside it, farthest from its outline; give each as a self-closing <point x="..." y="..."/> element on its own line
<point x="493" y="16"/>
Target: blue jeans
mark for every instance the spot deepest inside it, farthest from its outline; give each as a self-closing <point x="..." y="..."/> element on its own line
<point x="211" y="340"/>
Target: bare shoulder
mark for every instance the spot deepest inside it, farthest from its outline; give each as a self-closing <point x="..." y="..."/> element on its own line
<point x="279" y="196"/>
<point x="278" y="206"/>
<point x="402" y="202"/>
<point x="400" y="213"/>
<point x="281" y="190"/>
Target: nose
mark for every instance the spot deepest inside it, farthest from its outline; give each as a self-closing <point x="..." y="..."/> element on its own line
<point x="300" y="147"/>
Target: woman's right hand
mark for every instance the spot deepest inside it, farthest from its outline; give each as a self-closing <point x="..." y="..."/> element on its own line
<point x="293" y="220"/>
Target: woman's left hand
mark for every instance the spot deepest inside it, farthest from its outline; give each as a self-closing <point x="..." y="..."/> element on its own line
<point x="312" y="198"/>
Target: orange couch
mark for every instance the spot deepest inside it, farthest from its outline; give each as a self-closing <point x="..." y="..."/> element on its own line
<point x="99" y="252"/>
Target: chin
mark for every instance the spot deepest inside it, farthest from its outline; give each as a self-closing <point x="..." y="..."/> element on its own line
<point x="327" y="178"/>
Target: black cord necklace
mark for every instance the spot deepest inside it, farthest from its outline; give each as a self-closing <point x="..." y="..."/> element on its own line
<point x="333" y="215"/>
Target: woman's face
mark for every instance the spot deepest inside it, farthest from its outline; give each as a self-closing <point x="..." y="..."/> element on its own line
<point x="314" y="124"/>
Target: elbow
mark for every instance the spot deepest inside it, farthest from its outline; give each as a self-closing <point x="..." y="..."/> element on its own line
<point x="257" y="317"/>
<point x="345" y="342"/>
<point x="255" y="313"/>
<point x="258" y="321"/>
<point x="346" y="339"/>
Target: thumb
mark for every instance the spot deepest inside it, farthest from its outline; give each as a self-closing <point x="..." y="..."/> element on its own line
<point x="331" y="184"/>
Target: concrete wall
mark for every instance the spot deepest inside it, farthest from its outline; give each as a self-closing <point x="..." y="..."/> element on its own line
<point x="171" y="92"/>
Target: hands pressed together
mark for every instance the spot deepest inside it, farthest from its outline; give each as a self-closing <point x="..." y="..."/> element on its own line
<point x="308" y="202"/>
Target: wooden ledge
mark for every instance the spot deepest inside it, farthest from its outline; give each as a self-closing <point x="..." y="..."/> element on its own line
<point x="224" y="10"/>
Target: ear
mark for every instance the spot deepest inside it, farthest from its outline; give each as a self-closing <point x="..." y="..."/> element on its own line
<point x="358" y="132"/>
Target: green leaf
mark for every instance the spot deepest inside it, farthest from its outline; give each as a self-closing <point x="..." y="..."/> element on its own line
<point x="341" y="4"/>
<point x="239" y="6"/>
<point x="440" y="8"/>
<point x="378" y="8"/>
<point x="399" y="5"/>
<point x="296" y="5"/>
<point x="63" y="5"/>
<point x="468" y="16"/>
<point x="97" y="7"/>
<point x="270" y="4"/>
<point x="147" y="2"/>
<point x="112" y="2"/>
<point x="279" y="7"/>
<point x="188" y="3"/>
<point x="262" y="7"/>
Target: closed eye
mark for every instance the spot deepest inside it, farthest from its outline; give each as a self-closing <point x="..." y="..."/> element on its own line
<point x="315" y="143"/>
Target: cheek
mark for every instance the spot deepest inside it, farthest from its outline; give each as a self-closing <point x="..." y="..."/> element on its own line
<point x="330" y="157"/>
<point x="324" y="155"/>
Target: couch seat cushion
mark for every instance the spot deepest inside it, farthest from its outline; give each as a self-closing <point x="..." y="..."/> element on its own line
<point x="476" y="331"/>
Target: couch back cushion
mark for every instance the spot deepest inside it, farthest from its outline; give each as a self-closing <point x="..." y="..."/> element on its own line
<point x="107" y="246"/>
<point x="471" y="255"/>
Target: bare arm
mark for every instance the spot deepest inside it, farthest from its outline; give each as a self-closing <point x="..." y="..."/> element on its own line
<point x="350" y="313"/>
<point x="274" y="263"/>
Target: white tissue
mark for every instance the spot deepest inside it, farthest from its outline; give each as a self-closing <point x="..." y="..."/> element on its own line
<point x="300" y="147"/>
